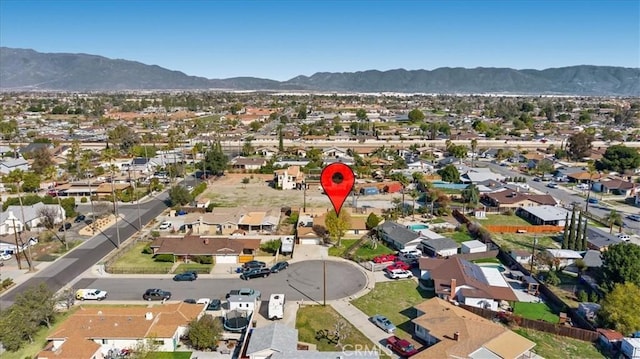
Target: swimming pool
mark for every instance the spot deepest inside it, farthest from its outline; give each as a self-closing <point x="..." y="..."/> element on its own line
<point x="416" y="227"/>
<point x="497" y="266"/>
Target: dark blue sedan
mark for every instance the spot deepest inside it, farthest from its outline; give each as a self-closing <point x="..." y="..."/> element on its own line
<point x="183" y="277"/>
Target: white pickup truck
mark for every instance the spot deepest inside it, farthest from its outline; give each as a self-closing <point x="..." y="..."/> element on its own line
<point x="90" y="294"/>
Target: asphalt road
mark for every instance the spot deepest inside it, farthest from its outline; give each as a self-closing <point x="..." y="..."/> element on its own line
<point x="301" y="281"/>
<point x="76" y="262"/>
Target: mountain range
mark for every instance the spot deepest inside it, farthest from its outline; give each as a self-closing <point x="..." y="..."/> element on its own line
<point x="29" y="70"/>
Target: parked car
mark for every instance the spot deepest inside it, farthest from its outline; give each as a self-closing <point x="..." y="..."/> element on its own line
<point x="192" y="272"/>
<point x="91" y="294"/>
<point x="537" y="179"/>
<point x="401" y="346"/>
<point x="79" y="218"/>
<point x="383" y="323"/>
<point x="156" y="294"/>
<point x="634" y="217"/>
<point x="253" y="265"/>
<point x="552" y="185"/>
<point x="184" y="277"/>
<point x="165" y="225"/>
<point x="280" y="266"/>
<point x="624" y="237"/>
<point x="398" y="265"/>
<point x="399" y="274"/>
<point x="190" y="301"/>
<point x="255" y="273"/>
<point x="64" y="227"/>
<point x="384" y="258"/>
<point x="593" y="200"/>
<point x="215" y="304"/>
<point x="4" y="256"/>
<point x="248" y="292"/>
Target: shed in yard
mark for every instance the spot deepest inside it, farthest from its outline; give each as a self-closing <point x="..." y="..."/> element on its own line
<point x="474" y="246"/>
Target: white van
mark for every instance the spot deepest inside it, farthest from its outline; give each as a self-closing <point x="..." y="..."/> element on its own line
<point x="276" y="306"/>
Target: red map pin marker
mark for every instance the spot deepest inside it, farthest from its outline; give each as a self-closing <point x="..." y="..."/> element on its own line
<point x="337" y="181"/>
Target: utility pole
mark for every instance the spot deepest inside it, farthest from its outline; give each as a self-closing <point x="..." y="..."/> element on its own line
<point x="304" y="203"/>
<point x="533" y="251"/>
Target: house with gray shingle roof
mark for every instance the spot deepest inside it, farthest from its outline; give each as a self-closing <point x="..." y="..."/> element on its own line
<point x="398" y="236"/>
<point x="439" y="247"/>
<point x="278" y="341"/>
<point x="12" y="217"/>
<point x="11" y="164"/>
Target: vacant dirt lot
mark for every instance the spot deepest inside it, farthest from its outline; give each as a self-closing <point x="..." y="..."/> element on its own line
<point x="229" y="191"/>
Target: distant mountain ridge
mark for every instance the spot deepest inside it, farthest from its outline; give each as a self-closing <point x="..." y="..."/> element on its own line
<point x="24" y="70"/>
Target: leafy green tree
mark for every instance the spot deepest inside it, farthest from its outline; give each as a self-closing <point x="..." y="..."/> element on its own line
<point x="621" y="264"/>
<point x="337" y="225"/>
<point x="39" y="303"/>
<point x="205" y="332"/>
<point x="579" y="145"/>
<point x="619" y="158"/>
<point x="450" y="174"/>
<point x="372" y="221"/>
<point x="179" y="196"/>
<point x="613" y="218"/>
<point x="215" y="160"/>
<point x="31" y="182"/>
<point x="247" y="148"/>
<point x="620" y="308"/>
<point x="471" y="195"/>
<point x="416" y="115"/>
<point x="361" y="114"/>
<point x="41" y="160"/>
<point x="271" y="246"/>
<point x="124" y="137"/>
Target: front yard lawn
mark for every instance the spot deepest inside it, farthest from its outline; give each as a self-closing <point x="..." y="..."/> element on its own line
<point x="197" y="267"/>
<point x="503" y="220"/>
<point x="536" y="311"/>
<point x="338" y="251"/>
<point x="134" y="261"/>
<point x="311" y="319"/>
<point x="366" y="252"/>
<point x="551" y="346"/>
<point x="395" y="300"/>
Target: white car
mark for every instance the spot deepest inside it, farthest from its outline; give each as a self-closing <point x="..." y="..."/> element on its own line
<point x="5" y="256"/>
<point x="624" y="237"/>
<point x="91" y="294"/>
<point x="399" y="274"/>
<point x="165" y="225"/>
<point x="413" y="252"/>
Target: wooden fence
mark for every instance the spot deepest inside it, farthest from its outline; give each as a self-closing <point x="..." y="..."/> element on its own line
<point x="523" y="229"/>
<point x="557" y="329"/>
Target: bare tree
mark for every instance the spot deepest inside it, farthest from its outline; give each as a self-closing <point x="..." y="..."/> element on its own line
<point x="66" y="296"/>
<point x="48" y="218"/>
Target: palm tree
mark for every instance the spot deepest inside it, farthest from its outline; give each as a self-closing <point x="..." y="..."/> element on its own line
<point x="415" y="194"/>
<point x="591" y="169"/>
<point x="474" y="147"/>
<point x="87" y="170"/>
<point x="614" y="218"/>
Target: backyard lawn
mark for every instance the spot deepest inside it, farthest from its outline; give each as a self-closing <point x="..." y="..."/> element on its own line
<point x="509" y="241"/>
<point x="551" y="346"/>
<point x="458" y="236"/>
<point x="503" y="220"/>
<point x="311" y="319"/>
<point x="134" y="261"/>
<point x="168" y="355"/>
<point x="536" y="311"/>
<point x="395" y="300"/>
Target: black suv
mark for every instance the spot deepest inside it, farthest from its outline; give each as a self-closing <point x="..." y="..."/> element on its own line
<point x="255" y="273"/>
<point x="64" y="227"/>
<point x="156" y="294"/>
<point x="80" y="218"/>
<point x="253" y="265"/>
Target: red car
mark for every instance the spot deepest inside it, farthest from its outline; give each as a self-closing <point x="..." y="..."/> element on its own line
<point x="385" y="258"/>
<point x="399" y="265"/>
<point x="401" y="346"/>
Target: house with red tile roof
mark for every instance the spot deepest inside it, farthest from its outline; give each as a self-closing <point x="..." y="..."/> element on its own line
<point x="93" y="330"/>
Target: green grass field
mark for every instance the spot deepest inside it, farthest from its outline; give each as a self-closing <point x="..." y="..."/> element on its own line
<point x="168" y="355"/>
<point x="311" y="319"/>
<point x="551" y="346"/>
<point x="536" y="311"/>
<point x="503" y="220"/>
<point x="458" y="236"/>
<point x="136" y="261"/>
<point x="509" y="241"/>
<point x="395" y="300"/>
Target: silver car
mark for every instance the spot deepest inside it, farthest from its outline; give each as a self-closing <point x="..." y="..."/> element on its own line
<point x="383" y="323"/>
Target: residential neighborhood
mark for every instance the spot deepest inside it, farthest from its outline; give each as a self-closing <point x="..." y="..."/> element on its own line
<point x="468" y="232"/>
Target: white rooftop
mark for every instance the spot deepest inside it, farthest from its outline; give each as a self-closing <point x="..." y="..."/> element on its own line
<point x="494" y="277"/>
<point x="564" y="253"/>
<point x="474" y="244"/>
<point x="547" y="213"/>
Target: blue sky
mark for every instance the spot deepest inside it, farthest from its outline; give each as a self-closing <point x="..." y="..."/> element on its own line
<point x="283" y="39"/>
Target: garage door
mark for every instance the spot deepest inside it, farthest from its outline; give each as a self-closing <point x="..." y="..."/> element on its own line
<point x="309" y="241"/>
<point x="226" y="259"/>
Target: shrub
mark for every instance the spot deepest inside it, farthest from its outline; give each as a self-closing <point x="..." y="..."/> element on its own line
<point x="155" y="234"/>
<point x="202" y="259"/>
<point x="6" y="283"/>
<point x="210" y="207"/>
<point x="147" y="250"/>
<point x="582" y="296"/>
<point x="293" y="219"/>
<point x="271" y="246"/>
<point x="594" y="297"/>
<point x="197" y="190"/>
<point x="509" y="212"/>
<point x="552" y="278"/>
<point x="83" y="200"/>
<point x="164" y="258"/>
<point x="246" y="180"/>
